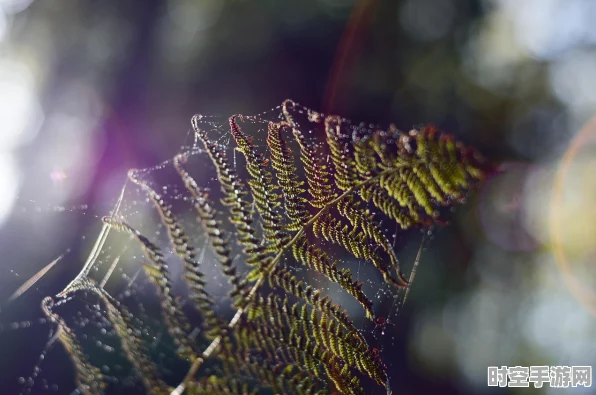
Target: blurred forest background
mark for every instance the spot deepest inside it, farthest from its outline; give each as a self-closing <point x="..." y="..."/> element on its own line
<point x="89" y="89"/>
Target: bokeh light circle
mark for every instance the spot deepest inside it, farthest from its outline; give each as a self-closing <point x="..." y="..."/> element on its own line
<point x="585" y="139"/>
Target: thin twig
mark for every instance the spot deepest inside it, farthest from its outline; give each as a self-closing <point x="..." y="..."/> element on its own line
<point x="35" y="278"/>
<point x="413" y="272"/>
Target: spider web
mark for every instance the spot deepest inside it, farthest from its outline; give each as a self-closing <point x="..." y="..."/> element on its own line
<point x="115" y="264"/>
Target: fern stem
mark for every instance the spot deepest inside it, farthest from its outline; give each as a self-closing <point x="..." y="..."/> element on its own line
<point x="215" y="343"/>
<point x="323" y="211"/>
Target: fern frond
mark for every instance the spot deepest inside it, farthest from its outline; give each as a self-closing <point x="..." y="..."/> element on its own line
<point x="344" y="345"/>
<point x="241" y="211"/>
<point x="220" y="386"/>
<point x="271" y="336"/>
<point x="212" y="226"/>
<point x="317" y="173"/>
<point x="354" y="241"/>
<point x="134" y="347"/>
<point x="282" y="379"/>
<point x="282" y="160"/>
<point x="257" y="337"/>
<point x="362" y="221"/>
<point x="387" y="205"/>
<point x="341" y="154"/>
<point x="186" y="252"/>
<point x="317" y="259"/>
<point x="262" y="187"/>
<point x="88" y="377"/>
<point x="364" y="159"/>
<point x="282" y="278"/>
<point x="157" y="271"/>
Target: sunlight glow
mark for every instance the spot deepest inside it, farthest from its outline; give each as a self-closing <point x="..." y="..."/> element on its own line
<point x="9" y="182"/>
<point x="20" y="115"/>
<point x="14" y="6"/>
<point x="18" y="105"/>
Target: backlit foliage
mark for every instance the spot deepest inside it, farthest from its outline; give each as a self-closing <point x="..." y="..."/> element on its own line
<point x="297" y="198"/>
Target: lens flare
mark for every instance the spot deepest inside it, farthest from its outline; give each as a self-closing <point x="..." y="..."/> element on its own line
<point x="580" y="291"/>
